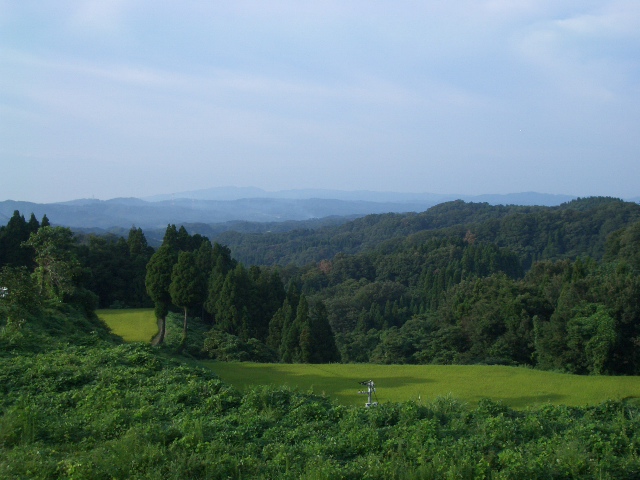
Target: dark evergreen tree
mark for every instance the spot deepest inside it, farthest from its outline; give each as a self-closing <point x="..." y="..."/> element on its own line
<point x="288" y="341"/>
<point x="297" y="341"/>
<point x="322" y="341"/>
<point x="266" y="296"/>
<point x="33" y="225"/>
<point x="139" y="255"/>
<point x="231" y="313"/>
<point x="183" y="240"/>
<point x="222" y="264"/>
<point x="13" y="250"/>
<point x="187" y="286"/>
<point x="277" y="326"/>
<point x="158" y="280"/>
<point x="171" y="238"/>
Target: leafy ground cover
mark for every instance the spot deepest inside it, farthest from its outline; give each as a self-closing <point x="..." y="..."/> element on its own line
<point x="133" y="325"/>
<point x="102" y="411"/>
<point x="516" y="387"/>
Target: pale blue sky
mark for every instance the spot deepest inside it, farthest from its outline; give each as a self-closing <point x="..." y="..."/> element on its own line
<point x="133" y="98"/>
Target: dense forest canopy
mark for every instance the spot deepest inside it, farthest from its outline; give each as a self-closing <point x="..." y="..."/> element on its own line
<point x="550" y="287"/>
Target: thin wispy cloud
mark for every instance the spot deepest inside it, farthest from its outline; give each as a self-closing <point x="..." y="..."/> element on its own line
<point x="466" y="97"/>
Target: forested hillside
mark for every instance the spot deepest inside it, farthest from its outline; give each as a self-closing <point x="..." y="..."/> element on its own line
<point x="550" y="287"/>
<point x="572" y="229"/>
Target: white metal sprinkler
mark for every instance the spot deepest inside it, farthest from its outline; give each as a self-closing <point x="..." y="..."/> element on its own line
<point x="371" y="390"/>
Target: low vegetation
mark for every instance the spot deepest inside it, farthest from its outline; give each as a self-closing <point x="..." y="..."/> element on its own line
<point x="124" y="411"/>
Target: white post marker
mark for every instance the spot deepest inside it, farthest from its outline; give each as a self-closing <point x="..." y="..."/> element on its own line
<point x="371" y="390"/>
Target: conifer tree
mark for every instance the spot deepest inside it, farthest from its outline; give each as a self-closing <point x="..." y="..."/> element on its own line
<point x="291" y="348"/>
<point x="33" y="225"/>
<point x="186" y="287"/>
<point x="323" y="349"/>
<point x="13" y="250"/>
<point x="277" y="326"/>
<point x="158" y="280"/>
<point x="231" y="313"/>
<point x="222" y="263"/>
<point x="171" y="237"/>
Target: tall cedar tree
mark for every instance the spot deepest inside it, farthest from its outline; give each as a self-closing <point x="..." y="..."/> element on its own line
<point x="323" y="343"/>
<point x="187" y="285"/>
<point x="13" y="249"/>
<point x="158" y="280"/>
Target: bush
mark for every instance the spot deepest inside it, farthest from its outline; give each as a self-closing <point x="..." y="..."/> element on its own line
<point x="229" y="348"/>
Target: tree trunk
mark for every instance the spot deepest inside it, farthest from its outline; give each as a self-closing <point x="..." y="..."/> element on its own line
<point x="184" y="326"/>
<point x="159" y="338"/>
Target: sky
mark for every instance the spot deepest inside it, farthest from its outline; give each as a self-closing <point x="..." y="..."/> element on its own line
<point x="132" y="98"/>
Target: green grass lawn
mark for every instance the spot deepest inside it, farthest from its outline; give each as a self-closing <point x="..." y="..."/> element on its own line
<point x="133" y="325"/>
<point x="516" y="387"/>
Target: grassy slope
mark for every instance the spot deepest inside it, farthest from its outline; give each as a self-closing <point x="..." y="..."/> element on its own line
<point x="516" y="387"/>
<point x="133" y="325"/>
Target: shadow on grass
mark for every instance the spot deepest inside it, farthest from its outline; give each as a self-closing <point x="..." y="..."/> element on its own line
<point x="319" y="379"/>
<point x="276" y="374"/>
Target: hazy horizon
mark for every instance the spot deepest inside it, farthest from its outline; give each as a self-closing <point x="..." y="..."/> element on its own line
<point x="111" y="98"/>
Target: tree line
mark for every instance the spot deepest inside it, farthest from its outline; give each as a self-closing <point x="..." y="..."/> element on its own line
<point x="554" y="288"/>
<point x="244" y="306"/>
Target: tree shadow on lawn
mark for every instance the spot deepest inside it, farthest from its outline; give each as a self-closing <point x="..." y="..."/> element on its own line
<point x="344" y="387"/>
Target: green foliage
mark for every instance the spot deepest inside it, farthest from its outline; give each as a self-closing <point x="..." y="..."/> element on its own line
<point x="231" y="309"/>
<point x="591" y="337"/>
<point x="576" y="228"/>
<point x="321" y="342"/>
<point x="19" y="296"/>
<point x="188" y="284"/>
<point x="13" y="250"/>
<point x="49" y="327"/>
<point x="75" y="404"/>
<point x="623" y="245"/>
<point x="115" y="269"/>
<point x="554" y="288"/>
<point x="225" y="347"/>
<point x="124" y="411"/>
<point x="158" y="281"/>
<point x="176" y="344"/>
<point x="56" y="265"/>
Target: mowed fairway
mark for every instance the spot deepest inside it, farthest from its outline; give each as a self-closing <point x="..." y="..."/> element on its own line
<point x="516" y="387"/>
<point x="133" y="325"/>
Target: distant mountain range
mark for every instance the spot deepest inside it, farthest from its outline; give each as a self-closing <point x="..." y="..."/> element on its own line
<point x="430" y="199"/>
<point x="232" y="204"/>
